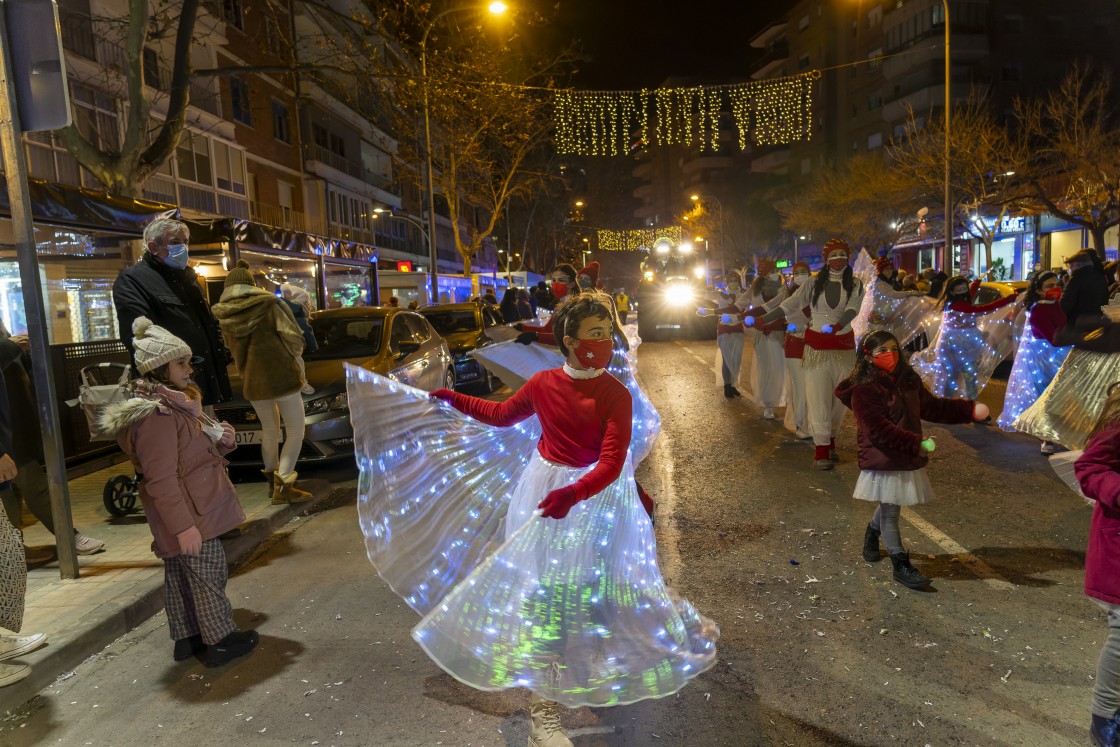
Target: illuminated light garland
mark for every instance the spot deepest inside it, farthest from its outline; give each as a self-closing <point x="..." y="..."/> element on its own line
<point x="1037" y="362"/>
<point x="602" y="123"/>
<point x="965" y="351"/>
<point x="636" y="239"/>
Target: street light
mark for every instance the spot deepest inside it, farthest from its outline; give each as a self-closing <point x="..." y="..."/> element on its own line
<point x="707" y="261"/>
<point x="390" y="214"/>
<point x="509" y="262"/>
<point x="948" y="108"/>
<point x="495" y="8"/>
<point x="795" y="246"/>
<point x="696" y="198"/>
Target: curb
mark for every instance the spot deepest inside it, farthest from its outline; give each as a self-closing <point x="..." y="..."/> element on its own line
<point x="118" y="615"/>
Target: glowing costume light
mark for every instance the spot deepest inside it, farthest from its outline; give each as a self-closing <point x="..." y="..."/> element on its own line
<point x="966" y="349"/>
<point x="1070" y="406"/>
<point x="575" y="609"/>
<point x="904" y="315"/>
<point x="1036" y="364"/>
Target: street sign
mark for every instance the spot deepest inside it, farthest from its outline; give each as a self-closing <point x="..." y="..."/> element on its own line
<point x="38" y="64"/>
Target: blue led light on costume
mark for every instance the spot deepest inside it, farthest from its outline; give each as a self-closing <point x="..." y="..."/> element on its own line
<point x="965" y="351"/>
<point x="1036" y="364"/>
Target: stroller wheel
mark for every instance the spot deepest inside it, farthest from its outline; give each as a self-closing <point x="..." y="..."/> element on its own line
<point x="120" y="496"/>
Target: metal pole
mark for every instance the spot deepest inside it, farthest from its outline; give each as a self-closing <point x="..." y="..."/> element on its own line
<point x="948" y="109"/>
<point x="433" y="256"/>
<point x="23" y="230"/>
<point x="795" y="250"/>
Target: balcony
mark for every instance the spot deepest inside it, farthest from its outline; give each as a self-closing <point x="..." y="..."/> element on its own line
<point x="196" y="197"/>
<point x="205" y="99"/>
<point x="78" y="36"/>
<point x="354" y="169"/>
<point x="774" y="57"/>
<point x="278" y="216"/>
<point x="771" y="162"/>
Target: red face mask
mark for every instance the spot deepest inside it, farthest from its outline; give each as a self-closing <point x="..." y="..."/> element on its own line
<point x="886" y="361"/>
<point x="1054" y="294"/>
<point x="838" y="263"/>
<point x="559" y="290"/>
<point x="594" y="353"/>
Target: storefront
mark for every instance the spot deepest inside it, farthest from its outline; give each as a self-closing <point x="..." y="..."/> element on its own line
<point x="409" y="287"/>
<point x="1014" y="250"/>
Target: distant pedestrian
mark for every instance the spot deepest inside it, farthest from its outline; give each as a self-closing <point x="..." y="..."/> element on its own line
<point x="188" y="498"/>
<point x="890" y="402"/>
<point x="489" y="297"/>
<point x="413" y="305"/>
<point x="509" y="307"/>
<point x="394" y="302"/>
<point x="1086" y="292"/>
<point x="544" y="296"/>
<point x="164" y="288"/>
<point x="266" y="342"/>
<point x="524" y="308"/>
<point x="622" y="303"/>
<point x="1098" y="474"/>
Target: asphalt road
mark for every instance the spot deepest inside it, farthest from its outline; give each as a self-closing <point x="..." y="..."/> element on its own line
<point x="818" y="647"/>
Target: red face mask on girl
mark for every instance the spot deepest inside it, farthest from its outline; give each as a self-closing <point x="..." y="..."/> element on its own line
<point x="837" y="262"/>
<point x="594" y="353"/>
<point x="1054" y="294"/>
<point x="887" y="361"/>
<point x="559" y="290"/>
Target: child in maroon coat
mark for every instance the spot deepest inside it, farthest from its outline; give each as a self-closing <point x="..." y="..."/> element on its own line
<point x="1098" y="472"/>
<point x="890" y="402"/>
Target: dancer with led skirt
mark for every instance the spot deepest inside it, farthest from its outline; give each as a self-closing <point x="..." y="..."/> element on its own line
<point x="972" y="341"/>
<point x="797" y="321"/>
<point x="833" y="299"/>
<point x="1037" y="359"/>
<point x="885" y="306"/>
<point x="766" y="294"/>
<point x="729" y="334"/>
<point x="536" y="571"/>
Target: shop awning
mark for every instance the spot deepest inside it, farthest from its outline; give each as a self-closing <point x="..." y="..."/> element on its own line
<point x="65" y="205"/>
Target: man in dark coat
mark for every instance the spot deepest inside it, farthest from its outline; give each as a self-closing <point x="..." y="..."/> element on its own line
<point x="163" y="288"/>
<point x="1087" y="290"/>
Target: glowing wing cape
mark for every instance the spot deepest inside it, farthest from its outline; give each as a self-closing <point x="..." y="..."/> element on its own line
<point x="1068" y="409"/>
<point x="514" y="363"/>
<point x="1036" y="364"/>
<point x="434" y="485"/>
<point x="863" y="268"/>
<point x="966" y="349"/>
<point x="904" y="315"/>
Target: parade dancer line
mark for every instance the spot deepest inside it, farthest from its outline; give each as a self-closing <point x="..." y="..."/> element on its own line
<point x="797" y="411"/>
<point x="833" y="299"/>
<point x="1037" y="359"/>
<point x="766" y="294"/>
<point x="890" y="402"/>
<point x="572" y="604"/>
<point x="729" y="336"/>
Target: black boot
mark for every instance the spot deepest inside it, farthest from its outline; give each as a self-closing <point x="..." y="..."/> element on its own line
<point x="185" y="648"/>
<point x="735" y="392"/>
<point x="906" y="574"/>
<point x="728" y="391"/>
<point x="871" y="545"/>
<point x="237" y="643"/>
<point x="1105" y="732"/>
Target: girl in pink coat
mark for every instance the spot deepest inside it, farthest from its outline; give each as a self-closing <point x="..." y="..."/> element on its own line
<point x="1098" y="473"/>
<point x="187" y="495"/>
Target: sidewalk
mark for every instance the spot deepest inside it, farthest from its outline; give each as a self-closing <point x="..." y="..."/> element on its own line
<point x="123" y="586"/>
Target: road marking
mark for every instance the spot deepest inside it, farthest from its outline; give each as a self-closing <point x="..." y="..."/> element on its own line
<point x="948" y="544"/>
<point x="710" y="365"/>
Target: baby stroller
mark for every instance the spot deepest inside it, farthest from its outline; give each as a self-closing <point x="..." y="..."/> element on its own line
<point x="103" y="384"/>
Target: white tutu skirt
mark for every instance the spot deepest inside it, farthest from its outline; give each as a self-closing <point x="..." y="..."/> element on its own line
<point x="575" y="609"/>
<point x="900" y="487"/>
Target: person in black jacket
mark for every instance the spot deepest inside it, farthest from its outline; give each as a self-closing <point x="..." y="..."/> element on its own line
<point x="163" y="288"/>
<point x="1087" y="290"/>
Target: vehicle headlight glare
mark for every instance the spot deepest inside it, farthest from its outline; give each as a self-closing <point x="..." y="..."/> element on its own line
<point x="679" y="295"/>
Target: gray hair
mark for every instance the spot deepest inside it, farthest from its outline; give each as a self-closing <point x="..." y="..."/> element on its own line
<point x="158" y="229"/>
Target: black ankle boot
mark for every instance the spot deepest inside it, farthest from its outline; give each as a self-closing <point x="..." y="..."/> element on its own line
<point x="1105" y="732"/>
<point x="728" y="391"/>
<point x="237" y="643"/>
<point x="871" y="545"/>
<point x="185" y="648"/>
<point x="906" y="574"/>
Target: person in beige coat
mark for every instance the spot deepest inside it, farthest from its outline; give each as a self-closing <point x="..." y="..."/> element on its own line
<point x="187" y="495"/>
<point x="261" y="332"/>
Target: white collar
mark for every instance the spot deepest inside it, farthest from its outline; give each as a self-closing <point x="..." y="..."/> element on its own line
<point x="834" y="276"/>
<point x="582" y="373"/>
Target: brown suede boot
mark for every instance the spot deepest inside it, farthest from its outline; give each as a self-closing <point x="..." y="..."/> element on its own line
<point x="284" y="490"/>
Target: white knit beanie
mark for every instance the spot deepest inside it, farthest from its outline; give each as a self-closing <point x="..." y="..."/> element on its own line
<point x="155" y="346"/>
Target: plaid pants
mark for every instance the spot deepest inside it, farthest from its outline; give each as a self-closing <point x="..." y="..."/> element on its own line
<point x="195" y="594"/>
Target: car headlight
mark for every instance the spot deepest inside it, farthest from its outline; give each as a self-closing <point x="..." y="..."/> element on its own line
<point x="326" y="404"/>
<point x="679" y="295"/>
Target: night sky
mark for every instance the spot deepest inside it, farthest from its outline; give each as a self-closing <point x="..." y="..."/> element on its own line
<point x="633" y="45"/>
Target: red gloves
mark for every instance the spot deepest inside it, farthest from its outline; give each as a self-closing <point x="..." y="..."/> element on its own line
<point x="559" y="502"/>
<point x="446" y="395"/>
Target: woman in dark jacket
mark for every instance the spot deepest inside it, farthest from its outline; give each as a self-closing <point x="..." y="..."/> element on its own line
<point x="509" y="307"/>
<point x="890" y="402"/>
<point x="1087" y="290"/>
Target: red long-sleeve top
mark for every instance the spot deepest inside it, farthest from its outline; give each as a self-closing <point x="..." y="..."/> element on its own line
<point x="583" y="421"/>
<point x="544" y="332"/>
<point x="1046" y="318"/>
<point x="967" y="307"/>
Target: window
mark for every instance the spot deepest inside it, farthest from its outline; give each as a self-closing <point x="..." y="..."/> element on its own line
<point x="803" y="23"/>
<point x="327" y="140"/>
<point x="229" y="167"/>
<point x="281" y="124"/>
<point x="803" y="62"/>
<point x="874" y="140"/>
<point x="1013" y="72"/>
<point x="874" y="101"/>
<point x="233" y="13"/>
<point x="874" y="16"/>
<point x="192" y="158"/>
<point x="876" y="58"/>
<point x="420" y="331"/>
<point x="239" y="100"/>
<point x="151" y="69"/>
<point x="855" y="146"/>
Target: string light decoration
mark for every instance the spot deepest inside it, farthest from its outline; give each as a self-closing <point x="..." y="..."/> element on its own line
<point x="1037" y="362"/>
<point x="965" y="351"/>
<point x="637" y="239"/>
<point x="766" y="112"/>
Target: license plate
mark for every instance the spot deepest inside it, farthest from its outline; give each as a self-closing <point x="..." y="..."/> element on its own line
<point x="247" y="438"/>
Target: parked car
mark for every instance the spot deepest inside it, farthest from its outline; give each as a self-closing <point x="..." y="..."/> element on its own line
<point x="393" y="342"/>
<point x="993" y="290"/>
<point x="464" y="327"/>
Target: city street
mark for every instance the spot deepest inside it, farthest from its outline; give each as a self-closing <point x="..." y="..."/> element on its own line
<point x="818" y="647"/>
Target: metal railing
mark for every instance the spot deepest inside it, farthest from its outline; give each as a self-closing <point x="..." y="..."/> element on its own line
<point x="206" y="99"/>
<point x="278" y="216"/>
<point x="356" y="169"/>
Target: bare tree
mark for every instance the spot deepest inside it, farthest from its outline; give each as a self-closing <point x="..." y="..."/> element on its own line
<point x="865" y="201"/>
<point x="1073" y="138"/>
<point x="983" y="159"/>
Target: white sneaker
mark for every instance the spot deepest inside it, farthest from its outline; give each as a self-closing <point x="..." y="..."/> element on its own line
<point x="87" y="545"/>
<point x="768" y="413"/>
<point x="12" y="646"/>
<point x="12" y="673"/>
<point x="1049" y="447"/>
<point x="307" y="389"/>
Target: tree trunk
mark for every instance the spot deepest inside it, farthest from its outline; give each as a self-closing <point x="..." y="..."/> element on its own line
<point x="1098" y="232"/>
<point x="466" y="265"/>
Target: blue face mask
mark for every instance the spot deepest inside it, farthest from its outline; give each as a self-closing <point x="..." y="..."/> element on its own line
<point x="177" y="256"/>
